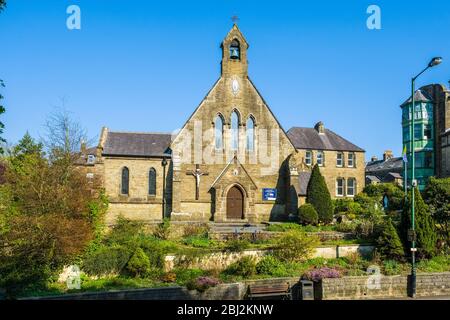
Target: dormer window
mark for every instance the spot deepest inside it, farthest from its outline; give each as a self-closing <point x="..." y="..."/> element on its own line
<point x="235" y="52"/>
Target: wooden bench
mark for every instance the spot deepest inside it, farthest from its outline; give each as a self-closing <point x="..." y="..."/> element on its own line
<point x="269" y="290"/>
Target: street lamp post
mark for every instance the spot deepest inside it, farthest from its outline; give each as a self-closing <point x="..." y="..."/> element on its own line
<point x="164" y="164"/>
<point x="434" y="62"/>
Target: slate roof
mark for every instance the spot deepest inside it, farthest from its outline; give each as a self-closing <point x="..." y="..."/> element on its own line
<point x="309" y="138"/>
<point x="372" y="178"/>
<point x="137" y="144"/>
<point x="392" y="164"/>
<point x="303" y="179"/>
<point x="395" y="175"/>
<point x="419" y="96"/>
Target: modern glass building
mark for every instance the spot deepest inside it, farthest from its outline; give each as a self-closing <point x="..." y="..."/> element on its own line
<point x="423" y="136"/>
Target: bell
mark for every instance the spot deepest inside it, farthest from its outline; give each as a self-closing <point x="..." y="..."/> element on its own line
<point x="234" y="53"/>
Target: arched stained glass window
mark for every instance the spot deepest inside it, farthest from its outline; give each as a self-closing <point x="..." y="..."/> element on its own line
<point x="218" y="132"/>
<point x="234" y="130"/>
<point x="250" y="126"/>
<point x="125" y="181"/>
<point x="152" y="182"/>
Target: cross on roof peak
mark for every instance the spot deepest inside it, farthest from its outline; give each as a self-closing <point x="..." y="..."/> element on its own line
<point x="235" y="19"/>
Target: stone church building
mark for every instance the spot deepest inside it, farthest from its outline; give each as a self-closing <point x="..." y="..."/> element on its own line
<point x="230" y="162"/>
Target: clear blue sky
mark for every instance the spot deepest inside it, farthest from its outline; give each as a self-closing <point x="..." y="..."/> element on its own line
<point x="145" y="65"/>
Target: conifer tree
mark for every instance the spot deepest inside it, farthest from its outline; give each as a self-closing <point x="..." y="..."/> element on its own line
<point x="318" y="195"/>
<point x="425" y="228"/>
<point x="388" y="242"/>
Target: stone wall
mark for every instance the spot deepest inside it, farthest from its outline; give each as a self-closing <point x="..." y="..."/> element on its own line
<point x="229" y="291"/>
<point x="138" y="204"/>
<point x="220" y="260"/>
<point x="428" y="284"/>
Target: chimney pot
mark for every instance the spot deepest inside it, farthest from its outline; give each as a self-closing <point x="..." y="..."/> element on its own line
<point x="387" y="155"/>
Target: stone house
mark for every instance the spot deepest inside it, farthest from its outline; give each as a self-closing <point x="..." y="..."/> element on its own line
<point x="340" y="161"/>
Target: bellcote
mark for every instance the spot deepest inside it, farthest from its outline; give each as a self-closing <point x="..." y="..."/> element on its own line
<point x="234" y="53"/>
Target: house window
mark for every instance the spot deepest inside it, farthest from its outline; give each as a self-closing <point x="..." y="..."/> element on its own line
<point x="339" y="187"/>
<point x="125" y="181"/>
<point x="152" y="182"/>
<point x="91" y="159"/>
<point x="351" y="186"/>
<point x="218" y="132"/>
<point x="90" y="176"/>
<point x="417" y="132"/>
<point x="339" y="159"/>
<point x="406" y="134"/>
<point x="428" y="163"/>
<point x="351" y="160"/>
<point x="250" y="134"/>
<point x="320" y="158"/>
<point x="308" y="158"/>
<point x="234" y="130"/>
<point x="427" y="132"/>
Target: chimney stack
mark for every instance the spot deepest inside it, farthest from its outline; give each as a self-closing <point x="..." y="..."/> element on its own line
<point x="387" y="155"/>
<point x="374" y="158"/>
<point x="319" y="127"/>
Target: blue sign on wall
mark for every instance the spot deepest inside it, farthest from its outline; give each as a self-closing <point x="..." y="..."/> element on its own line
<point x="269" y="194"/>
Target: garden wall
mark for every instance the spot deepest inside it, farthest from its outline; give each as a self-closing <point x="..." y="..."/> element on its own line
<point x="428" y="284"/>
<point x="220" y="260"/>
<point x="231" y="291"/>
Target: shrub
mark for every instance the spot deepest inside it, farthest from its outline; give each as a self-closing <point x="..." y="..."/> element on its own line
<point x="198" y="241"/>
<point x="346" y="227"/>
<point x="202" y="283"/>
<point x="236" y="245"/>
<point x="424" y="225"/>
<point x="347" y="206"/>
<point x="271" y="266"/>
<point x="282" y="227"/>
<point x="391" y="267"/>
<point x="169" y="277"/>
<point x="388" y="242"/>
<point x="191" y="230"/>
<point x="437" y="196"/>
<point x="365" y="201"/>
<point x="124" y="232"/>
<point x="185" y="275"/>
<point x="138" y="264"/>
<point x="307" y="214"/>
<point x="245" y="267"/>
<point x="318" y="195"/>
<point x="294" y="246"/>
<point x="162" y="230"/>
<point x="322" y="273"/>
<point x="394" y="193"/>
<point x="106" y="260"/>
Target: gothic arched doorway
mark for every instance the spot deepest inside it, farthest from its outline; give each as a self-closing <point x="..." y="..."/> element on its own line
<point x="235" y="203"/>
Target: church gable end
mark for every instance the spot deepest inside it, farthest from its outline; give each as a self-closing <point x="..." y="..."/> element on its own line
<point x="232" y="121"/>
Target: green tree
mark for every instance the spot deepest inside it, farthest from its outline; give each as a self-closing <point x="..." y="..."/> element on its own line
<point x="318" y="195"/>
<point x="437" y="196"/>
<point x="426" y="236"/>
<point x="394" y="193"/>
<point x="46" y="216"/>
<point x="307" y="214"/>
<point x="388" y="243"/>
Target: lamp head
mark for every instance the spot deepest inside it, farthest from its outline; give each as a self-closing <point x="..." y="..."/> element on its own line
<point x="435" y="61"/>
